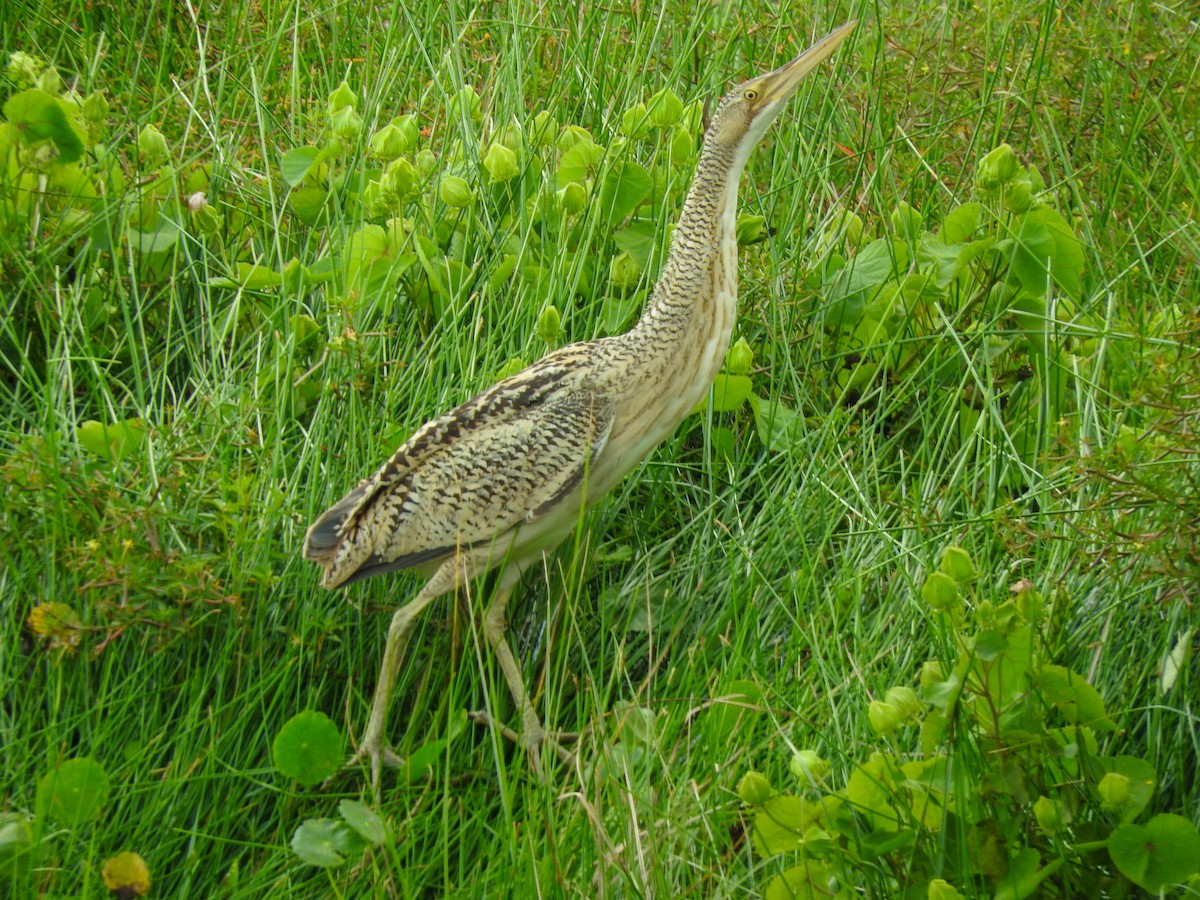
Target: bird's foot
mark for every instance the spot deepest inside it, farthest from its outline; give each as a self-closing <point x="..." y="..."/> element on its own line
<point x="532" y="738"/>
<point x="379" y="754"/>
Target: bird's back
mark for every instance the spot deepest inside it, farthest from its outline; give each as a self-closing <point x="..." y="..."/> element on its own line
<point x="497" y="463"/>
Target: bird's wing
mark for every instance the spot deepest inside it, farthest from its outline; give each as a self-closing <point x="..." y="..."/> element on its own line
<point x="504" y="458"/>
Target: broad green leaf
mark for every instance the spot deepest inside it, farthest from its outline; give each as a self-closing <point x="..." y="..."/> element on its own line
<point x="255" y="278"/>
<point x="164" y="237"/>
<point x="617" y="310"/>
<point x="1067" y="257"/>
<point x="906" y="221"/>
<point x="308" y="203"/>
<point x="297" y="163"/>
<point x="1007" y="672"/>
<point x="1032" y="256"/>
<point x="75" y="792"/>
<point x="365" y="821"/>
<point x="1163" y="852"/>
<point x="781" y="821"/>
<point x="499" y="277"/>
<point x="292" y="276"/>
<point x="867" y="793"/>
<point x="76" y="184"/>
<point x="724" y="443"/>
<point x="319" y="272"/>
<point x="422" y="760"/>
<point x="811" y="880"/>
<point x="934" y="253"/>
<point x="429" y="255"/>
<point x="537" y="285"/>
<point x="1023" y="876"/>
<point x="308" y="748"/>
<point x="729" y="392"/>
<point x="948" y="261"/>
<point x="933" y="730"/>
<point x="37" y="116"/>
<point x="739" y="705"/>
<point x="112" y="442"/>
<point x="751" y="229"/>
<point x="792" y="884"/>
<point x="579" y="162"/>
<point x="638" y="240"/>
<point x="849" y="288"/>
<point x="372" y="261"/>
<point x="325" y="842"/>
<point x="383" y="274"/>
<point x="1071" y="695"/>
<point x="303" y="327"/>
<point x="990" y="644"/>
<point x="456" y="724"/>
<point x="960" y="223"/>
<point x="625" y="187"/>
<point x="779" y="428"/>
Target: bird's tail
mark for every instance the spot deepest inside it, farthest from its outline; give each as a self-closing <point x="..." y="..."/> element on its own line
<point x="325" y="540"/>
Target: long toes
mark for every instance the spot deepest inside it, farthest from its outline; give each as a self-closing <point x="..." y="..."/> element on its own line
<point x="376" y="751"/>
<point x="377" y="755"/>
<point x="564" y="755"/>
<point x="532" y="739"/>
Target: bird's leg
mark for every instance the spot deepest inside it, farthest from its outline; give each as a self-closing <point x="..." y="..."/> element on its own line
<point x="373" y="745"/>
<point x="532" y="735"/>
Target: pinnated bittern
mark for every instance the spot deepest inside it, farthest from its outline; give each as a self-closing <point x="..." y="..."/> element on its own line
<point x="502" y="479"/>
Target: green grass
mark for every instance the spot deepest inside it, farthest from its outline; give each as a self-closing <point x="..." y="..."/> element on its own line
<point x="798" y="571"/>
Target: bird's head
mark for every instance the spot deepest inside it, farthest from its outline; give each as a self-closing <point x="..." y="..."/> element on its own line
<point x="744" y="113"/>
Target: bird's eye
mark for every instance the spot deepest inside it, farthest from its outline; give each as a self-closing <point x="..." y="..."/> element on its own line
<point x="751" y="94"/>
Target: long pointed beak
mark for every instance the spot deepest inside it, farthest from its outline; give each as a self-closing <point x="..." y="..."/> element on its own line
<point x="779" y="84"/>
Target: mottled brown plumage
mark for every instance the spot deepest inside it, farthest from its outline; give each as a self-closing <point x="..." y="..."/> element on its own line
<point x="503" y="478"/>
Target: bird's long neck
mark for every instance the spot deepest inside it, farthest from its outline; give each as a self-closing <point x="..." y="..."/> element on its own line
<point x="684" y="331"/>
<point x="695" y="278"/>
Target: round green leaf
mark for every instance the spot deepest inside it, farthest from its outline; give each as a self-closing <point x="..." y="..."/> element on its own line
<point x="625" y="187"/>
<point x="741" y="701"/>
<point x="322" y="842"/>
<point x="113" y="442"/>
<point x="1032" y="256"/>
<point x="364" y="820"/>
<point x="36" y="116"/>
<point x="779" y="428"/>
<point x="164" y="236"/>
<point x="1161" y="853"/>
<point x="1068" y="260"/>
<point x="308" y="203"/>
<point x="729" y="392"/>
<point x="308" y="748"/>
<point x="297" y="163"/>
<point x="960" y="223"/>
<point x="578" y="162"/>
<point x="75" y="792"/>
<point x="780" y="823"/>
